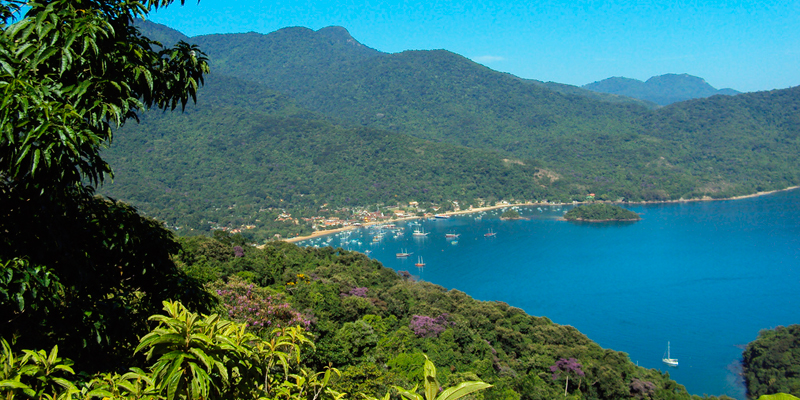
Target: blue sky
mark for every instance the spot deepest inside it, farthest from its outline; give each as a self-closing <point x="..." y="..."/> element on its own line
<point x="743" y="45"/>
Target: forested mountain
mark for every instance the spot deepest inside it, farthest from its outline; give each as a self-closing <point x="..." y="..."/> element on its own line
<point x="663" y="89"/>
<point x="316" y="117"/>
<point x="243" y="149"/>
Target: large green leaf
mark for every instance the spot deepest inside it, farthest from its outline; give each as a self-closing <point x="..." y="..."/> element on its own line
<point x="778" y="396"/>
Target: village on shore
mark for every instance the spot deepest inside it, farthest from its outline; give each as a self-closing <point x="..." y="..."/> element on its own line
<point x="328" y="220"/>
<point x="325" y="226"/>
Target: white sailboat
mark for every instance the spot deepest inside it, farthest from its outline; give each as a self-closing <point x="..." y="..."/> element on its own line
<point x="672" y="362"/>
<point x="419" y="233"/>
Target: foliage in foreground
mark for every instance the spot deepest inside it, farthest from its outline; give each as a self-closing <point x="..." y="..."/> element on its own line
<point x="777" y="396"/>
<point x="198" y="357"/>
<point x="80" y="271"/>
<point x="771" y="363"/>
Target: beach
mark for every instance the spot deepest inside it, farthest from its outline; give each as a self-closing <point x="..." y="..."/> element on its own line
<point x="488" y="208"/>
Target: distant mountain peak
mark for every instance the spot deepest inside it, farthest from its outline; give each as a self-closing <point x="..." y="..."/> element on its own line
<point x="662" y="89"/>
<point x="333" y="35"/>
<point x="338" y="34"/>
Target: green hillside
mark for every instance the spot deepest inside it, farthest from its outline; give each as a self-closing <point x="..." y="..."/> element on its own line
<point x="227" y="160"/>
<point x="618" y="150"/>
<point x="299" y="119"/>
<point x="610" y="97"/>
<point x="743" y="144"/>
<point x="771" y="363"/>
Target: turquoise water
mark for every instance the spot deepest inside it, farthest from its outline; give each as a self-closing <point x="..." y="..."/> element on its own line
<point x="705" y="276"/>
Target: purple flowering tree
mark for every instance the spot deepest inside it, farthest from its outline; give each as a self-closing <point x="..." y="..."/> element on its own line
<point x="238" y="251"/>
<point x="424" y="326"/>
<point x="567" y="367"/>
<point x="642" y="389"/>
<point x="257" y="307"/>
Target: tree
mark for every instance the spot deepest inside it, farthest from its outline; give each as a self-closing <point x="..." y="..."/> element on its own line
<point x="70" y="72"/>
<point x="567" y="367"/>
<point x="194" y="357"/>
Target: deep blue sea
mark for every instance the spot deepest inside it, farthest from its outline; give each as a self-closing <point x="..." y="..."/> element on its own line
<point x="705" y="276"/>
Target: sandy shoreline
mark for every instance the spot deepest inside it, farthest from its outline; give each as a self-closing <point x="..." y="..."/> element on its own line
<point x="450" y="213"/>
<point x="488" y="208"/>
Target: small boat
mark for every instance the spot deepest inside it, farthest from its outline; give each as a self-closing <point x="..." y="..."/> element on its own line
<point x="441" y="216"/>
<point x="420" y="263"/>
<point x="490" y="233"/>
<point x="404" y="253"/>
<point x="452" y="235"/>
<point x="418" y="232"/>
<point x="672" y="362"/>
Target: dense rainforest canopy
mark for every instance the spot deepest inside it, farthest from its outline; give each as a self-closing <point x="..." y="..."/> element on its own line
<point x="771" y="363"/>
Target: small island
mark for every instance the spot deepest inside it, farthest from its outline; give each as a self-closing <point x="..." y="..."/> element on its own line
<point x="510" y="214"/>
<point x="600" y="212"/>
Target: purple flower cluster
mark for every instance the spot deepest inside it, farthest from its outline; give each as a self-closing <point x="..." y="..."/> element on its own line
<point x="238" y="251"/>
<point x="642" y="389"/>
<point x="424" y="326"/>
<point x="570" y="365"/>
<point x="247" y="304"/>
<point x="358" y="292"/>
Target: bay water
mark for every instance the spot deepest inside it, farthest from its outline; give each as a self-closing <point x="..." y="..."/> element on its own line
<point x="704" y="276"/>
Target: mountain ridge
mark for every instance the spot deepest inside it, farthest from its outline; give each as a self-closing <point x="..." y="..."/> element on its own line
<point x="662" y="89"/>
<point x="341" y="94"/>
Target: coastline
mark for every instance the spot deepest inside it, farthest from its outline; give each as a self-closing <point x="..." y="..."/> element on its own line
<point x="488" y="208"/>
<point x="745" y="196"/>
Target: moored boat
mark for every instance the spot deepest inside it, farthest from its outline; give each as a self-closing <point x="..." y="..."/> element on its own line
<point x="404" y="253"/>
<point x="672" y="362"/>
<point x="418" y="232"/>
